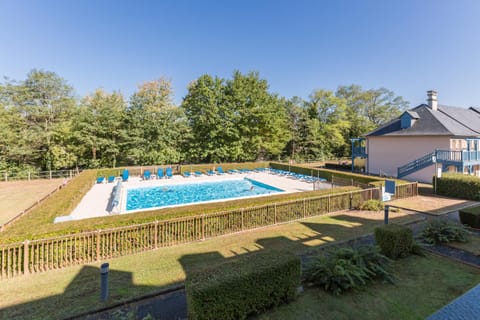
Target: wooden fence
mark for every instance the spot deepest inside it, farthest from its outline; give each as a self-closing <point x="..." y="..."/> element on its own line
<point x="59" y="252"/>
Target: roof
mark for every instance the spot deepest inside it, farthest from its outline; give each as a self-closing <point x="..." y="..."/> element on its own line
<point x="445" y="121"/>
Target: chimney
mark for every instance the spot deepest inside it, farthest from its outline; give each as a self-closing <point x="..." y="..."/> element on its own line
<point x="432" y="99"/>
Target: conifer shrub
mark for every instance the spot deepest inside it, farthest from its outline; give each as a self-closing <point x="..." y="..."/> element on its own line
<point x="444" y="231"/>
<point x="341" y="269"/>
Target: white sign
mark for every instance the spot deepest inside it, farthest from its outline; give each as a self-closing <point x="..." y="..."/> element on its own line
<point x="439" y="172"/>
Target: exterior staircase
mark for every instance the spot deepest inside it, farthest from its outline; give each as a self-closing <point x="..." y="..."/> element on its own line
<point x="417" y="164"/>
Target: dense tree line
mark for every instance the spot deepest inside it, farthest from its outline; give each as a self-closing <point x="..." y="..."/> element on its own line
<point x="45" y="126"/>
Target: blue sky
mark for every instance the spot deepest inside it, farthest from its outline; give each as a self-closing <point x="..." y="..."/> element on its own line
<point x="408" y="47"/>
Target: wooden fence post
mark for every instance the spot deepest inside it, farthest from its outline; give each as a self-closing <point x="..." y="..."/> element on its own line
<point x="50" y="174"/>
<point x="25" y="257"/>
<point x="203" y="226"/>
<point x="328" y="204"/>
<point x="98" y="244"/>
<point x="241" y="211"/>
<point x="274" y="213"/>
<point x="156" y="234"/>
<point x="304" y="207"/>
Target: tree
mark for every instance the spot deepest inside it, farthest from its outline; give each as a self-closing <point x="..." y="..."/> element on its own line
<point x="155" y="126"/>
<point x="98" y="129"/>
<point x="42" y="105"/>
<point x="260" y="117"/>
<point x="214" y="137"/>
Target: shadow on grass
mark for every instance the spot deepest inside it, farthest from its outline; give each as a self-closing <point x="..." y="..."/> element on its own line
<point x="86" y="288"/>
<point x="83" y="293"/>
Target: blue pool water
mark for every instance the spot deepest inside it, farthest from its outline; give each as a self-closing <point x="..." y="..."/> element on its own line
<point x="169" y="195"/>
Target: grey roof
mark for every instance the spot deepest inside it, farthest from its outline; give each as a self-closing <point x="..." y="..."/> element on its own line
<point x="413" y="114"/>
<point x="446" y="121"/>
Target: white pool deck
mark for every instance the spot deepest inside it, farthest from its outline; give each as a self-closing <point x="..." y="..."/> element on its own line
<point x="96" y="203"/>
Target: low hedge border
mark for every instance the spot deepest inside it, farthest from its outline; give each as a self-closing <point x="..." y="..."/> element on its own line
<point x="244" y="286"/>
<point x="396" y="241"/>
<point x="38" y="224"/>
<point x="470" y="217"/>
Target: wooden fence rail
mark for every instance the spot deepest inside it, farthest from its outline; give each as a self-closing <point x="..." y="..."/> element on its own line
<point x="59" y="252"/>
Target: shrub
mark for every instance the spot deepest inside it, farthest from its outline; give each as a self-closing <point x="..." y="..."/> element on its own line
<point x="458" y="185"/>
<point x="470" y="217"/>
<point x="244" y="286"/>
<point x="341" y="269"/>
<point x="395" y="240"/>
<point x="371" y="205"/>
<point x="444" y="231"/>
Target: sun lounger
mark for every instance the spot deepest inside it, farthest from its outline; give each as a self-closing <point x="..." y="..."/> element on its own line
<point x="232" y="171"/>
<point x="146" y="175"/>
<point x="198" y="173"/>
<point x="187" y="174"/>
<point x="220" y="170"/>
<point x="210" y="173"/>
<point x="111" y="179"/>
<point x="100" y="179"/>
<point x="169" y="173"/>
<point x="125" y="175"/>
<point x="160" y="173"/>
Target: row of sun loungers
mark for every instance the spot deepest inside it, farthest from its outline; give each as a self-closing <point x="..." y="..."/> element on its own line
<point x="299" y="176"/>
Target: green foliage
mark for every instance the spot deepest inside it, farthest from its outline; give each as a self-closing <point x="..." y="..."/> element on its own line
<point x="372" y="205"/>
<point x="444" y="231"/>
<point x="457" y="185"/>
<point x="244" y="286"/>
<point x="340" y="269"/>
<point x="470" y="216"/>
<point x="395" y="241"/>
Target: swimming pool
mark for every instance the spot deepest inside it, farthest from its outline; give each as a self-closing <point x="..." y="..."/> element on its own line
<point x="171" y="195"/>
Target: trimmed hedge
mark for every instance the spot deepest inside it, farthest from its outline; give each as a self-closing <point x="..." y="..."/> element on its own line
<point x="470" y="217"/>
<point x="38" y="224"/>
<point x="327" y="174"/>
<point x="457" y="185"/>
<point x="244" y="286"/>
<point x="225" y="166"/>
<point x="395" y="240"/>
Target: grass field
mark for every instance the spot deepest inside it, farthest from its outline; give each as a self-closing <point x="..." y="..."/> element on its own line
<point x="76" y="289"/>
<point x="422" y="286"/>
<point x="16" y="196"/>
<point x="433" y="204"/>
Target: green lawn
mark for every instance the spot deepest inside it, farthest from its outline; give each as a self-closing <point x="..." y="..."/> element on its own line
<point x="74" y="290"/>
<point x="423" y="285"/>
<point x="17" y="196"/>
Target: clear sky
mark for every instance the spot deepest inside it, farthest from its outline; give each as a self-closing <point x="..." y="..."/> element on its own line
<point x="407" y="46"/>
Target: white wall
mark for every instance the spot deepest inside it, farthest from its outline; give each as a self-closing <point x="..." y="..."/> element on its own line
<point x="386" y="154"/>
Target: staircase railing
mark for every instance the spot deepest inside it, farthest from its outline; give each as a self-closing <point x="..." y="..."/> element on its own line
<point x="416" y="165"/>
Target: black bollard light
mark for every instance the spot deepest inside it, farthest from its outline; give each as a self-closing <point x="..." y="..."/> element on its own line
<point x="386" y="209"/>
<point x="104" y="282"/>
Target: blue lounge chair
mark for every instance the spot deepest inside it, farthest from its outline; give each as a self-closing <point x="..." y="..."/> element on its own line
<point x="160" y="173"/>
<point x="100" y="179"/>
<point x="146" y="175"/>
<point x="125" y="175"/>
<point x="111" y="179"/>
<point x="198" y="173"/>
<point x="210" y="173"/>
<point x="220" y="170"/>
<point x="169" y="173"/>
<point x="232" y="171"/>
<point x="187" y="174"/>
